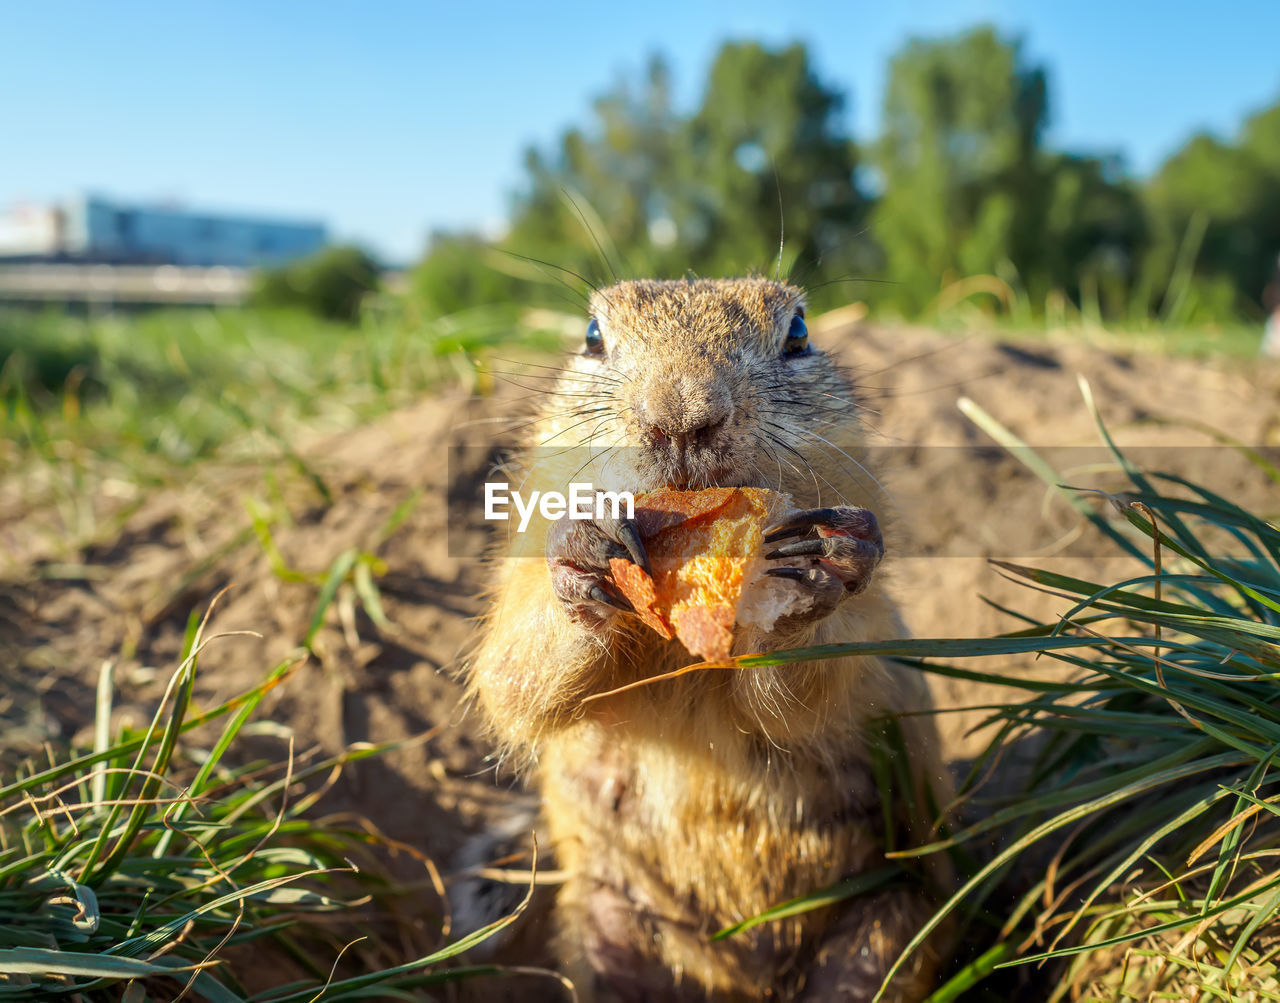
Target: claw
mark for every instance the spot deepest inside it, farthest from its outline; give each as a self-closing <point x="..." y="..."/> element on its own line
<point x="795" y="574"/>
<point x="801" y="548"/>
<point x="630" y="538"/>
<point x="600" y="594"/>
<point x="799" y="523"/>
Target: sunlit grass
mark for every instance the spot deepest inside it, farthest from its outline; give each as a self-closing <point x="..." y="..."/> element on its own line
<point x="139" y="867"/>
<point x="998" y="304"/>
<point x="177" y="856"/>
<point x="1139" y="856"/>
<point x="1149" y="787"/>
<point x="95" y="412"/>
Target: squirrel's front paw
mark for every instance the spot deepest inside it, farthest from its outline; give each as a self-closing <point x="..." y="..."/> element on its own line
<point x="578" y="553"/>
<point x="838" y="550"/>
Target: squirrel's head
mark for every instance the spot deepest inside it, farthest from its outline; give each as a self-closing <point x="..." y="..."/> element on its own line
<point x="702" y="382"/>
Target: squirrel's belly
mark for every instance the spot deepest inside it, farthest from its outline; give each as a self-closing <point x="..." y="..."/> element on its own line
<point x="666" y="843"/>
<point x="725" y="833"/>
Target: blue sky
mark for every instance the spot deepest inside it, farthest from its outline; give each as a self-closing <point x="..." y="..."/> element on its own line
<point x="389" y="119"/>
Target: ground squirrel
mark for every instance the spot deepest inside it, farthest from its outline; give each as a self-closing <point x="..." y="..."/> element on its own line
<point x="684" y="806"/>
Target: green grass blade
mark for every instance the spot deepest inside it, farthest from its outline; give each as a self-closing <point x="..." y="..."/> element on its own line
<point x="37" y="962"/>
<point x="338" y="572"/>
<point x="860" y="884"/>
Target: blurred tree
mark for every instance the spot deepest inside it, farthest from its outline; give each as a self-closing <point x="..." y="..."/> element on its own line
<point x="962" y="122"/>
<point x="701" y="193"/>
<point x="605" y="184"/>
<point x="766" y="149"/>
<point x="1214" y="211"/>
<point x="1092" y="232"/>
<point x="458" y="273"/>
<point x="966" y="186"/>
<point x="968" y="189"/>
<point x="331" y="283"/>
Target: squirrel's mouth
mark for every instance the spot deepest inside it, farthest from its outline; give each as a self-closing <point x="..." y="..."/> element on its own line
<point x="694" y="467"/>
<point x="700" y="477"/>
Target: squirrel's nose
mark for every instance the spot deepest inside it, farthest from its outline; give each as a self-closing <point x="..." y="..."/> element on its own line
<point x="683" y="414"/>
<point x="683" y="437"/>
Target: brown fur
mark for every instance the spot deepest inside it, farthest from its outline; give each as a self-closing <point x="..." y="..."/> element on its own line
<point x="684" y="806"/>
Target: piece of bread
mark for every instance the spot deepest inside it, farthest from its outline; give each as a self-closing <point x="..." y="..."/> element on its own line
<point x="706" y="550"/>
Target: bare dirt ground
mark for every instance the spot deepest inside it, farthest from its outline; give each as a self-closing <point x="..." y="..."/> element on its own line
<point x="127" y="600"/>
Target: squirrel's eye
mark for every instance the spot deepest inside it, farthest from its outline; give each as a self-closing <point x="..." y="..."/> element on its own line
<point x="797" y="342"/>
<point x="595" y="340"/>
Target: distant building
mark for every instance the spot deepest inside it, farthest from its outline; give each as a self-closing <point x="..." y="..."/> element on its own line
<point x="30" y="231"/>
<point x="91" y="229"/>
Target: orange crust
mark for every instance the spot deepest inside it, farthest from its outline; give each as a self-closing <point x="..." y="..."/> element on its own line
<point x="701" y="546"/>
<point x="634" y="583"/>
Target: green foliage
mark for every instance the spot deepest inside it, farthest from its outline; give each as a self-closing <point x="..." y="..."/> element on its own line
<point x="620" y="169"/>
<point x="47" y="360"/>
<point x="460" y="272"/>
<point x="158" y="384"/>
<point x="970" y="205"/>
<point x="1149" y="775"/>
<point x="962" y="124"/>
<point x="165" y="855"/>
<point x="968" y="189"/>
<point x="645" y="190"/>
<point x="132" y="400"/>
<point x="1225" y="197"/>
<point x="138" y="867"/>
<point x="767" y="144"/>
<point x="330" y="284"/>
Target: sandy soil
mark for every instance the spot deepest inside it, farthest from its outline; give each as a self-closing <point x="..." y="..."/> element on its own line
<point x="128" y="600"/>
